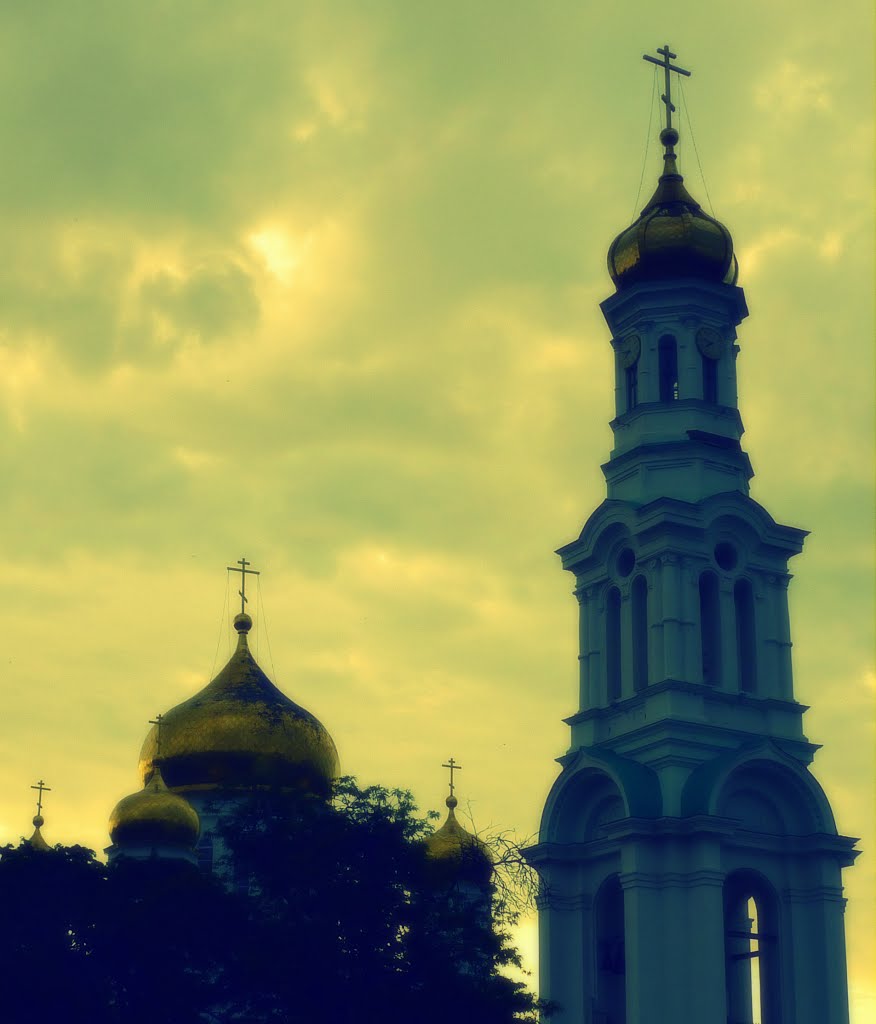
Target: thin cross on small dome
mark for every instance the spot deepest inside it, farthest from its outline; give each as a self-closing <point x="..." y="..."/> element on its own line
<point x="43" y="788"/>
<point x="244" y="572"/>
<point x="454" y="767"/>
<point x="157" y="723"/>
<point x="667" y="67"/>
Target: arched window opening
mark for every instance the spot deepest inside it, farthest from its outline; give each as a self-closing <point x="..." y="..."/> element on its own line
<point x="640" y="633"/>
<point x="746" y="647"/>
<point x="751" y="961"/>
<point x="613" y="643"/>
<point x="611" y="997"/>
<point x="205" y="853"/>
<point x="710" y="380"/>
<point x="667" y="358"/>
<point x="710" y="629"/>
<point x="632" y="386"/>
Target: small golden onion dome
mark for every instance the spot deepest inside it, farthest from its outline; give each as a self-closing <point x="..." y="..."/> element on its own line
<point x="241" y="732"/>
<point x="36" y="840"/>
<point x="673" y="236"/>
<point x="155" y="815"/>
<point x="455" y="855"/>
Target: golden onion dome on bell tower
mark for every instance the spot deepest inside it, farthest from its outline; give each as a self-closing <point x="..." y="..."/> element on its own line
<point x="673" y="236"/>
<point x="241" y="732"/>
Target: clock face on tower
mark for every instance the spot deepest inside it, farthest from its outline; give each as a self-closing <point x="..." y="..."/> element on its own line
<point x="629" y="349"/>
<point x="710" y="342"/>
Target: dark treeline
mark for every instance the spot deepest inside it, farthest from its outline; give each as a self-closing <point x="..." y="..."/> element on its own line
<point x="339" y="919"/>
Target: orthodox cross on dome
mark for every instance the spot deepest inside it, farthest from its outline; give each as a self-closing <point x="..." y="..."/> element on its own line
<point x="667" y="67"/>
<point x="244" y="572"/>
<point x="43" y="788"/>
<point x="156" y="721"/>
<point x="454" y="767"/>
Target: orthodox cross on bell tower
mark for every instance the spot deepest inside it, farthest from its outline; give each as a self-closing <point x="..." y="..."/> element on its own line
<point x="43" y="788"/>
<point x="454" y="767"/>
<point x="667" y="67"/>
<point x="244" y="572"/>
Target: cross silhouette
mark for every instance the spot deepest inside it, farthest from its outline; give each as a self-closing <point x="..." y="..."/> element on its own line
<point x="454" y="767"/>
<point x="43" y="788"/>
<point x="156" y="721"/>
<point x="244" y="572"/>
<point x="667" y="67"/>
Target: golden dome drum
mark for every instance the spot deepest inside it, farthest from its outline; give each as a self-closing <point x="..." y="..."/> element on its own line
<point x="241" y="732"/>
<point x="154" y="815"/>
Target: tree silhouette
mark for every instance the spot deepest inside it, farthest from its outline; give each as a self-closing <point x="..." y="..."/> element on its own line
<point x="321" y="910"/>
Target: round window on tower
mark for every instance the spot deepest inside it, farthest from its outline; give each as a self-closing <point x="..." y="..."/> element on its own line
<point x="726" y="556"/>
<point x="626" y="562"/>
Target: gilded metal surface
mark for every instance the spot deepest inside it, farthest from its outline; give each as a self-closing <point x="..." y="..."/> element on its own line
<point x="240" y="731"/>
<point x="36" y="840"/>
<point x="154" y="815"/>
<point x="457" y="851"/>
<point x="673" y="237"/>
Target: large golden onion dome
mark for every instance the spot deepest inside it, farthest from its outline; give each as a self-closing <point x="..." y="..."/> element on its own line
<point x="673" y="237"/>
<point x="241" y="732"/>
<point x="154" y="815"/>
<point x="455" y="855"/>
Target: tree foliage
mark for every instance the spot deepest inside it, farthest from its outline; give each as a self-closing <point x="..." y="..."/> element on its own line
<point x="321" y="911"/>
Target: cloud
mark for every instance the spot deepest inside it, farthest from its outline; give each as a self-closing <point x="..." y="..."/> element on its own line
<point x="322" y="286"/>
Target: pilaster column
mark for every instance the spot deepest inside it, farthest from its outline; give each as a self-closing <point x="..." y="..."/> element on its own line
<point x="583" y="676"/>
<point x="704" y="931"/>
<point x="596" y="656"/>
<point x="565" y="938"/>
<point x="626" y="638"/>
<point x="729" y="656"/>
<point x="818" y="951"/>
<point x="768" y="631"/>
<point x="690" y="378"/>
<point x="689" y="608"/>
<point x="585" y="651"/>
<point x="646" y="983"/>
<point x="673" y="652"/>
<point x="620" y="385"/>
<point x="656" y="664"/>
<point x="786" y="673"/>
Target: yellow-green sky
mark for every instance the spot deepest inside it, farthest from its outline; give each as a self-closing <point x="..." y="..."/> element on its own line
<point x="318" y="283"/>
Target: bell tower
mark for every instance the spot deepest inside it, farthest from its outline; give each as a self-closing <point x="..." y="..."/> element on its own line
<point x="690" y="862"/>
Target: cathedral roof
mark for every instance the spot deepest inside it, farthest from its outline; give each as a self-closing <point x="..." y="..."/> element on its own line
<point x="673" y="236"/>
<point x="240" y="732"/>
<point x="455" y="854"/>
<point x="154" y="815"/>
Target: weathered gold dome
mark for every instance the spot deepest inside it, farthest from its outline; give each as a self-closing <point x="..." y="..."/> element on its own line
<point x="673" y="237"/>
<point x="36" y="840"/>
<point x="241" y="732"/>
<point x="154" y="815"/>
<point x="455" y="854"/>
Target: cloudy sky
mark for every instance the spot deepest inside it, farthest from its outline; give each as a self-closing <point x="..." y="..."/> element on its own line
<point x="318" y="283"/>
